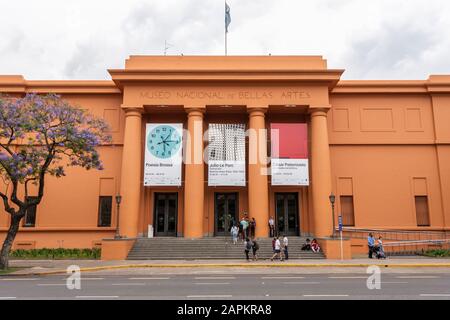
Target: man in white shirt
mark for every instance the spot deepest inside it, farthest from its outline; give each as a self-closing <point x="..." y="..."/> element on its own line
<point x="277" y="250"/>
<point x="285" y="245"/>
<point x="271" y="226"/>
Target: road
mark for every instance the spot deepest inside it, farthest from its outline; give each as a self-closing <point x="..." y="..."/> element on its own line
<point x="222" y="284"/>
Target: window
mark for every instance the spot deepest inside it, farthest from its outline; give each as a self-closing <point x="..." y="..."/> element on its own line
<point x="347" y="211"/>
<point x="422" y="214"/>
<point x="104" y="211"/>
<point x="30" y="215"/>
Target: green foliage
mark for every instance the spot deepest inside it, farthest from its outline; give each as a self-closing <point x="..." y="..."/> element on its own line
<point x="10" y="270"/>
<point x="438" y="253"/>
<point x="58" y="254"/>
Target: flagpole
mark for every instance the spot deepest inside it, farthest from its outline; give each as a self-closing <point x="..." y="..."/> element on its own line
<point x="226" y="49"/>
<point x="226" y="36"/>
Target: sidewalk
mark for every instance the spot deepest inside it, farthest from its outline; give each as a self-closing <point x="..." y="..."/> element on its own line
<point x="46" y="267"/>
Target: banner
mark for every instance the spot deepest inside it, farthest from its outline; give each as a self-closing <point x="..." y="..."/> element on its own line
<point x="163" y="154"/>
<point x="226" y="155"/>
<point x="289" y="146"/>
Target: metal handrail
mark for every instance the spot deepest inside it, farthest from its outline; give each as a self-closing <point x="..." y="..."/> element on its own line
<point x="415" y="242"/>
<point x="403" y="241"/>
<point x="351" y="229"/>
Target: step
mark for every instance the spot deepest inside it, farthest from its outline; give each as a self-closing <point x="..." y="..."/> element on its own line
<point x="178" y="248"/>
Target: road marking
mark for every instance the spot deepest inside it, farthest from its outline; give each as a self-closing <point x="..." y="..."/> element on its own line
<point x="214" y="278"/>
<point x="418" y="277"/>
<point x="148" y="278"/>
<point x="97" y="297"/>
<point x="7" y="298"/>
<point x="128" y="284"/>
<point x="19" y="279"/>
<point x="301" y="282"/>
<point x="325" y="295"/>
<point x="347" y="277"/>
<point x="211" y="296"/>
<point x="211" y="283"/>
<point x="435" y="295"/>
<point x="283" y="277"/>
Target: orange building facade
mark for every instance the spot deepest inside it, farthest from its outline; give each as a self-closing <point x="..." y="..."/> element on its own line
<point x="382" y="147"/>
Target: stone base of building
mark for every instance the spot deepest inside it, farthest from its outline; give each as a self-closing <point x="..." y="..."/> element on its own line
<point x="331" y="247"/>
<point x="113" y="249"/>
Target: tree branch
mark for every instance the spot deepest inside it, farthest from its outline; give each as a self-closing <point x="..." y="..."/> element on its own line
<point x="8" y="208"/>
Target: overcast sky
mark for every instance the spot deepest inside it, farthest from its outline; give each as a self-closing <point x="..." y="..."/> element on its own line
<point x="81" y="39"/>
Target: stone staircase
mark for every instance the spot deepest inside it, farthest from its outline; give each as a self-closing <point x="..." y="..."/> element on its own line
<point x="209" y="248"/>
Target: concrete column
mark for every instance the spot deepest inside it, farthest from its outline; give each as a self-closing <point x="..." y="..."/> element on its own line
<point x="130" y="183"/>
<point x="321" y="173"/>
<point x="194" y="184"/>
<point x="258" y="189"/>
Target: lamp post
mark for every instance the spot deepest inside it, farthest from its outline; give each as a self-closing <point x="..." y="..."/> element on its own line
<point x="118" y="201"/>
<point x="332" y="200"/>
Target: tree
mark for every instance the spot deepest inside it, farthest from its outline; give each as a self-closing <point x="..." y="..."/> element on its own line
<point x="40" y="136"/>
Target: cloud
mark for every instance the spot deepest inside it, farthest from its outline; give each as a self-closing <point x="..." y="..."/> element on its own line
<point x="81" y="39"/>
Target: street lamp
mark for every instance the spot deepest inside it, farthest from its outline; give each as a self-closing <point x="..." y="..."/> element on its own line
<point x="118" y="201"/>
<point x="332" y="200"/>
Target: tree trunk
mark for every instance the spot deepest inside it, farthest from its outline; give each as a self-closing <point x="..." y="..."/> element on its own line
<point x="7" y="244"/>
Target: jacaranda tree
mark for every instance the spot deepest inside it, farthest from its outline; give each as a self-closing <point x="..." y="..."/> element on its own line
<point x="40" y="136"/>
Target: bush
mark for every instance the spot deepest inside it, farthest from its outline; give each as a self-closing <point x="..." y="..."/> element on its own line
<point x="439" y="253"/>
<point x="59" y="253"/>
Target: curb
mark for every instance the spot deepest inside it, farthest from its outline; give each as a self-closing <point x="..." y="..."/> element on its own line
<point x="292" y="265"/>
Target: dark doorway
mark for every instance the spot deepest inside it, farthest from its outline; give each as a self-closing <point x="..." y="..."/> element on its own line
<point x="226" y="212"/>
<point x="166" y="214"/>
<point x="286" y="207"/>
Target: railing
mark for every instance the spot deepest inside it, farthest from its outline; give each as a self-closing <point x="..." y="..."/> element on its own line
<point x="403" y="242"/>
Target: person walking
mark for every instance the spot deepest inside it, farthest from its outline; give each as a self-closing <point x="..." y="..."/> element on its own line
<point x="285" y="247"/>
<point x="277" y="250"/>
<point x="255" y="249"/>
<point x="252" y="227"/>
<point x="244" y="226"/>
<point x="234" y="234"/>
<point x="273" y="244"/>
<point x="380" y="250"/>
<point x="271" y="227"/>
<point x="370" y="244"/>
<point x="248" y="245"/>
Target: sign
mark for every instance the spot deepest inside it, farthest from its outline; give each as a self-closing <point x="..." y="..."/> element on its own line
<point x="163" y="154"/>
<point x="340" y="223"/>
<point x="226" y="173"/>
<point x="226" y="155"/>
<point x="289" y="150"/>
<point x="290" y="172"/>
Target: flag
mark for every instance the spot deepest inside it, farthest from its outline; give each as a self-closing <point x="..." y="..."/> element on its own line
<point x="227" y="17"/>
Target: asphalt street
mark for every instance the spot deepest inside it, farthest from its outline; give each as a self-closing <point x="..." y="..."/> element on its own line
<point x="222" y="286"/>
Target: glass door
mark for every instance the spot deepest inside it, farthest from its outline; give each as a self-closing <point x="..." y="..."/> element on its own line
<point x="226" y="212"/>
<point x="166" y="214"/>
<point x="287" y="214"/>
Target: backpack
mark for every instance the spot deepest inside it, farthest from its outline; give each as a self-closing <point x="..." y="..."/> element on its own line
<point x="248" y="245"/>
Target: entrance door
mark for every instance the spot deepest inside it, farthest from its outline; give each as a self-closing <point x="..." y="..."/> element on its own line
<point x="287" y="213"/>
<point x="226" y="212"/>
<point x="166" y="214"/>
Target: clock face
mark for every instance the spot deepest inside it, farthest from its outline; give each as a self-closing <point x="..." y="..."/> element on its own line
<point x="164" y="141"/>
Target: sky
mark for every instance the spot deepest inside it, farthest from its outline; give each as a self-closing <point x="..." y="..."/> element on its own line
<point x="81" y="39"/>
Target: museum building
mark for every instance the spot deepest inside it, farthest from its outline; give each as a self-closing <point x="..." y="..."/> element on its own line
<point x="199" y="142"/>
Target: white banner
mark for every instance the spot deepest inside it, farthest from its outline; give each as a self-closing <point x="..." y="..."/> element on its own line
<point x="163" y="154"/>
<point x="226" y="173"/>
<point x="290" y="172"/>
<point x="226" y="155"/>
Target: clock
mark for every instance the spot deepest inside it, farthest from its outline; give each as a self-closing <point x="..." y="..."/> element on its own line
<point x="164" y="141"/>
